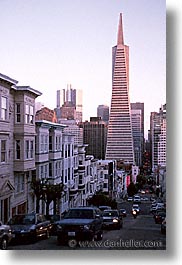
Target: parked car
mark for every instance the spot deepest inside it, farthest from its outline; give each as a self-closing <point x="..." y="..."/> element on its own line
<point x="5" y="236"/>
<point x="159" y="216"/>
<point x="53" y="218"/>
<point x="112" y="219"/>
<point x="29" y="226"/>
<point x="130" y="199"/>
<point x="163" y="227"/>
<point x="80" y="224"/>
<point x="156" y="206"/>
<point x="122" y="212"/>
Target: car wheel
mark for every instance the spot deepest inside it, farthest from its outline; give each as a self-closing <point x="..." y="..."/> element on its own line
<point x="72" y="243"/>
<point x="47" y="234"/>
<point x="99" y="236"/>
<point x="4" y="243"/>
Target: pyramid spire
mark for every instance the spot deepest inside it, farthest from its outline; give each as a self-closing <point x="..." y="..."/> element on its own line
<point x="120" y="39"/>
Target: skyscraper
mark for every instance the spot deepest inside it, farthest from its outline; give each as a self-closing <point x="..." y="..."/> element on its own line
<point x="119" y="138"/>
<point x="94" y="134"/>
<point x="137" y="136"/>
<point x="137" y="116"/>
<point x="103" y="112"/>
<point x="69" y="101"/>
<point x="158" y="137"/>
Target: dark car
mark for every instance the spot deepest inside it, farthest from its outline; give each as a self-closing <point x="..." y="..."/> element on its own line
<point x="29" y="226"/>
<point x="104" y="207"/>
<point x="53" y="218"/>
<point x="163" y="227"/>
<point x="159" y="217"/>
<point x="122" y="212"/>
<point x="5" y="236"/>
<point x="80" y="224"/>
<point x="112" y="219"/>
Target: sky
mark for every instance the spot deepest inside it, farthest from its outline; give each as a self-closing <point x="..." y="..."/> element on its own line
<point x="49" y="44"/>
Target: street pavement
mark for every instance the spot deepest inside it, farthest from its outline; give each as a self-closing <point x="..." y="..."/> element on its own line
<point x="139" y="233"/>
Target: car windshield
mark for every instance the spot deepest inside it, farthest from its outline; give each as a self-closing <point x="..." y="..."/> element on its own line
<point x="161" y="214"/>
<point x="22" y="219"/>
<point x="79" y="214"/>
<point x="110" y="214"/>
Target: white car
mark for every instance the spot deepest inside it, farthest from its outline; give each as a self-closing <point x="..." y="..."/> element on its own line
<point x="137" y="199"/>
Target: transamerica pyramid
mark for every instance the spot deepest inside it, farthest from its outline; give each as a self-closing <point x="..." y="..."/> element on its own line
<point x="119" y="137"/>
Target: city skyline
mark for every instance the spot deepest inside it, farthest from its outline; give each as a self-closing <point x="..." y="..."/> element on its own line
<point x="67" y="42"/>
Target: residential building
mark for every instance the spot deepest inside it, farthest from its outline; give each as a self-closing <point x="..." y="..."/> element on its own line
<point x="17" y="145"/>
<point x="46" y="114"/>
<point x="73" y="127"/>
<point x="107" y="176"/>
<point x="119" y="137"/>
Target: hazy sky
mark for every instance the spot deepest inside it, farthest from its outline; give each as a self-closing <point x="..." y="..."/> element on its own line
<point x="49" y="44"/>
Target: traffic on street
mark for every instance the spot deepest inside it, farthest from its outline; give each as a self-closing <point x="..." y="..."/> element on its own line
<point x="142" y="232"/>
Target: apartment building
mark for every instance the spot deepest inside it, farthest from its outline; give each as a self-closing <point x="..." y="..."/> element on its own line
<point x="17" y="145"/>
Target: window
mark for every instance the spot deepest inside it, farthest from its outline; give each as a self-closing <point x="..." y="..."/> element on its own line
<point x="18" y="115"/>
<point x="50" y="169"/>
<point x="42" y="172"/>
<point x="46" y="143"/>
<point x="50" y="143"/>
<point x="4" y="106"/>
<point x="3" y="151"/>
<point x="46" y="171"/>
<point x="42" y="143"/>
<point x="19" y="183"/>
<point x="29" y="149"/>
<point x="29" y="114"/>
<point x="17" y="148"/>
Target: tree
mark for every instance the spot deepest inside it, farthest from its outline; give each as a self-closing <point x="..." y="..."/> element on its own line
<point x="47" y="192"/>
<point x="102" y="199"/>
<point x="131" y="189"/>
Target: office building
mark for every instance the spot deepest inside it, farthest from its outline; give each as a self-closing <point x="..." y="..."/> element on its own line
<point x="103" y="112"/>
<point x="94" y="134"/>
<point x="119" y="137"/>
<point x="137" y="115"/>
